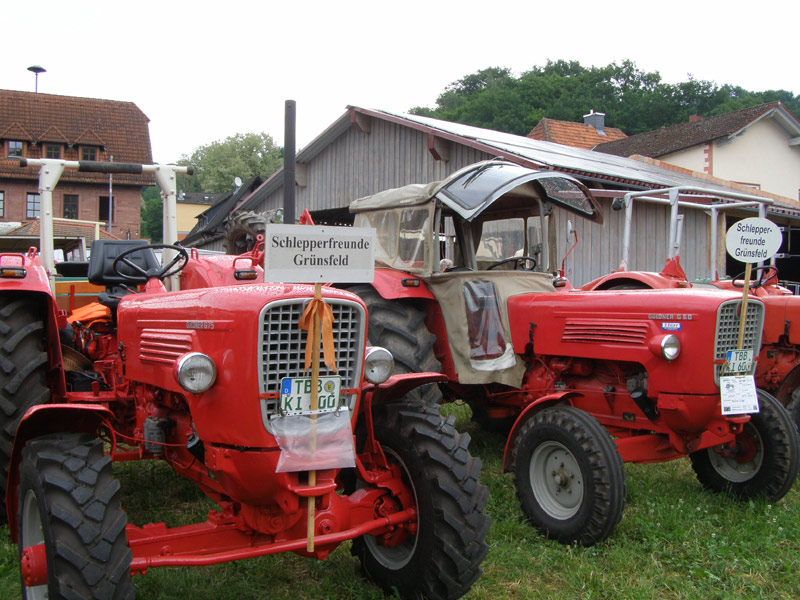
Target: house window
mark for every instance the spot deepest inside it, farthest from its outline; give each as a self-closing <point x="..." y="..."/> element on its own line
<point x="14" y="148"/>
<point x="32" y="206"/>
<point x="102" y="213"/>
<point x="53" y="151"/>
<point x="2" y="204"/>
<point x="88" y="153"/>
<point x="70" y="206"/>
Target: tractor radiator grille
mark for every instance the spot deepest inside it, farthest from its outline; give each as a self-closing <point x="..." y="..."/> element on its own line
<point x="283" y="346"/>
<point x="727" y="334"/>
<point x="609" y="331"/>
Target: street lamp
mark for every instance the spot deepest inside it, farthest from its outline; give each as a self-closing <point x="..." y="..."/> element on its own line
<point x="37" y="69"/>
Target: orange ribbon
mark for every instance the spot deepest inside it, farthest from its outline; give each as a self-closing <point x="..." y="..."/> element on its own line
<point x="308" y="322"/>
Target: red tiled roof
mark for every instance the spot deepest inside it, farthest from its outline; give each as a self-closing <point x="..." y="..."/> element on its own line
<point x="577" y="135"/>
<point x="117" y="128"/>
<point x="685" y="135"/>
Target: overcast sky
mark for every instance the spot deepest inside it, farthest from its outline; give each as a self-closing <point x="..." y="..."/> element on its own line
<point x="202" y="71"/>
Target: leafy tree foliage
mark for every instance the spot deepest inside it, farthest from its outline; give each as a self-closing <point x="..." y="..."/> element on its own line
<point x="217" y="164"/>
<point x="151" y="214"/>
<point x="632" y="100"/>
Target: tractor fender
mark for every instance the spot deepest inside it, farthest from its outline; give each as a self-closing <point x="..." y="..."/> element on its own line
<point x="46" y="419"/>
<point x="392" y="285"/>
<point x="398" y="386"/>
<point x="527" y="413"/>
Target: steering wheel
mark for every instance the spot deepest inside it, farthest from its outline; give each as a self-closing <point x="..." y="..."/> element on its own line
<point x="761" y="281"/>
<point x="518" y="260"/>
<point x="173" y="266"/>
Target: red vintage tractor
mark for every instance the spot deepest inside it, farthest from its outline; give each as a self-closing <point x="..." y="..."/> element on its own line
<point x="211" y="379"/>
<point x="778" y="365"/>
<point x="465" y="283"/>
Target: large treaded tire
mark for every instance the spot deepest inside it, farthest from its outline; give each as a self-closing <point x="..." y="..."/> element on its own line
<point x="443" y="559"/>
<point x="569" y="476"/>
<point x="769" y="460"/>
<point x="23" y="363"/>
<point x="400" y="328"/>
<point x="69" y="500"/>
<point x="241" y="231"/>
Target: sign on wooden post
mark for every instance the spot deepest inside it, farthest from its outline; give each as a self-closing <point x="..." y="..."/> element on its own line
<point x="318" y="254"/>
<point x="749" y="240"/>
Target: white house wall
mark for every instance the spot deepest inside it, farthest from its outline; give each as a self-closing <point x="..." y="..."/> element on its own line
<point x="760" y="155"/>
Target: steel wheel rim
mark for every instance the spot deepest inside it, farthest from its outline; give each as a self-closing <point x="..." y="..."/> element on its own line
<point x="556" y="480"/>
<point x="32" y="534"/>
<point x="734" y="470"/>
<point x="395" y="557"/>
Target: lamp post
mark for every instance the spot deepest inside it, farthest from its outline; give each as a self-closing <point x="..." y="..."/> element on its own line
<point x="37" y="69"/>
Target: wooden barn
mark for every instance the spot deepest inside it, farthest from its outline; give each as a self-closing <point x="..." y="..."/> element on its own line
<point x="366" y="151"/>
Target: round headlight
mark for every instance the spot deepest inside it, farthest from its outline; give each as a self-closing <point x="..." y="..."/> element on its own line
<point x="378" y="364"/>
<point x="670" y="347"/>
<point x="196" y="372"/>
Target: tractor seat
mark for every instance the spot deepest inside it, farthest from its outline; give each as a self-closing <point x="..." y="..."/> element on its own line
<point x="101" y="271"/>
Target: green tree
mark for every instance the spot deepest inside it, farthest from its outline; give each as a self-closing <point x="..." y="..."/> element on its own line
<point x="217" y="164"/>
<point x="151" y="214"/>
<point x="633" y="100"/>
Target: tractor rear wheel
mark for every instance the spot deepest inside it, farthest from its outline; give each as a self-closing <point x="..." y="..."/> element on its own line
<point x="569" y="476"/>
<point x="242" y="230"/>
<point x="400" y="328"/>
<point x="22" y="373"/>
<point x="763" y="462"/>
<point x="69" y="501"/>
<point x="441" y="558"/>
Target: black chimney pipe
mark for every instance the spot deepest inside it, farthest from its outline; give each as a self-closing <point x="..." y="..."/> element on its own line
<point x="289" y="152"/>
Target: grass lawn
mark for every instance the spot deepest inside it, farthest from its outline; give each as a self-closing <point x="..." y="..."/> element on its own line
<point x="675" y="541"/>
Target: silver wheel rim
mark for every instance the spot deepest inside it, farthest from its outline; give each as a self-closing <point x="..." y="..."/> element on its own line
<point x="556" y="480"/>
<point x="735" y="471"/>
<point x="32" y="534"/>
<point x="396" y="557"/>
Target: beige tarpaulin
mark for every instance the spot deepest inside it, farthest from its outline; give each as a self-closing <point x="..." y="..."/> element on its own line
<point x="449" y="289"/>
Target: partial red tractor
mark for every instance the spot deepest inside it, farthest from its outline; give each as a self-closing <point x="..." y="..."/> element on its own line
<point x="211" y="379"/>
<point x="466" y="283"/>
<point x="778" y="363"/>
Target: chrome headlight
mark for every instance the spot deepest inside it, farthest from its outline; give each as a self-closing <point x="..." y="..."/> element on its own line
<point x="670" y="346"/>
<point x="378" y="364"/>
<point x="195" y="372"/>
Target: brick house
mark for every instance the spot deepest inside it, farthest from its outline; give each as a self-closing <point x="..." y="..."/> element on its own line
<point x="36" y="125"/>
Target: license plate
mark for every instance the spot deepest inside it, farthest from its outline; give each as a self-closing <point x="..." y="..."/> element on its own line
<point x="738" y="361"/>
<point x="296" y="395"/>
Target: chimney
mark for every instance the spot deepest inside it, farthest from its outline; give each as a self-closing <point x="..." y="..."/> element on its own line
<point x="695" y="118"/>
<point x="596" y="120"/>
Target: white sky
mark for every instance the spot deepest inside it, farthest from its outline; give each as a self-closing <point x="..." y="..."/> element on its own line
<point x="202" y="71"/>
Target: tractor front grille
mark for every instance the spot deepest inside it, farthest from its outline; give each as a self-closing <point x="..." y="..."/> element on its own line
<point x="283" y="347"/>
<point x="727" y="333"/>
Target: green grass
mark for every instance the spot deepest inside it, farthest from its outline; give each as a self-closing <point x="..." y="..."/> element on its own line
<point x="675" y="541"/>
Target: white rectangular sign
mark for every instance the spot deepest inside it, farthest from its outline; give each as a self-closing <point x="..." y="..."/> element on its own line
<point x="738" y="395"/>
<point x="319" y="254"/>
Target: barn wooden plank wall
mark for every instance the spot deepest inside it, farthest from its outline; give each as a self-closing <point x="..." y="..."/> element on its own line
<point x="358" y="164"/>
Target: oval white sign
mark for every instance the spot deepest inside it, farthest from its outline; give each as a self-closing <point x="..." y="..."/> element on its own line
<point x="753" y="240"/>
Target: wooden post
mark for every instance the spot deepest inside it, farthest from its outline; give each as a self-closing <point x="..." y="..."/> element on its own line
<point x="312" y="475"/>
<point x="743" y="311"/>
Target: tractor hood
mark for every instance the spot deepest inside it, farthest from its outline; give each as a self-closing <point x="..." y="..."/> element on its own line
<point x="473" y="189"/>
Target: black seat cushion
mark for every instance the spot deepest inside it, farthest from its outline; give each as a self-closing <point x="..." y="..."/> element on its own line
<point x="104" y="252"/>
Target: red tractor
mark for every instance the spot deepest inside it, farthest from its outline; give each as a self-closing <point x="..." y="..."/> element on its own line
<point x="778" y="365"/>
<point x="465" y="284"/>
<point x="210" y="379"/>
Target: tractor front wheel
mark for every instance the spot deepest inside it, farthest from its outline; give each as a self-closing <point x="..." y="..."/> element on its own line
<point x="440" y="558"/>
<point x="764" y="460"/>
<point x="23" y="363"/>
<point x="569" y="476"/>
<point x="69" y="501"/>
